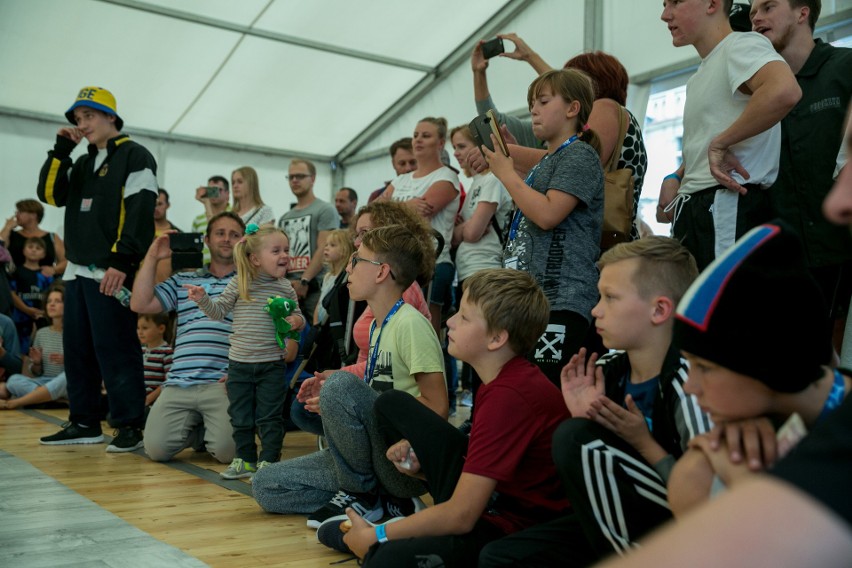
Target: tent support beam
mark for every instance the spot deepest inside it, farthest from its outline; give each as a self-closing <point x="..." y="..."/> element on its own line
<point x="461" y="54"/>
<point x="264" y="34"/>
<point x="166" y="137"/>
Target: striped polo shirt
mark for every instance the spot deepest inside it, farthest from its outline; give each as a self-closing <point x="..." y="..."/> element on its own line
<point x="201" y="344"/>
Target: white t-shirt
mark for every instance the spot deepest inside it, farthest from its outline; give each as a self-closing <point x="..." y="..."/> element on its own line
<point x="406" y="187"/>
<point x="487" y="252"/>
<point x="713" y="103"/>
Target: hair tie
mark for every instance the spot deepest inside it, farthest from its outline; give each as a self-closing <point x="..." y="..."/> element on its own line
<point x="251" y="229"/>
<point x="585" y="127"/>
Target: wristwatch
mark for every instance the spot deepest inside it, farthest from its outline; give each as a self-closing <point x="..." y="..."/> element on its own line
<point x="305" y="282"/>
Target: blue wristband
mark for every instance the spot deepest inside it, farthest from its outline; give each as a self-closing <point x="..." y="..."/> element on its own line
<point x="381" y="534"/>
<point x="672" y="176"/>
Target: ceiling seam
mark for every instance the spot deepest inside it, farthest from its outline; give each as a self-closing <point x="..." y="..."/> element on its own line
<point x="218" y="70"/>
<point x="272" y="36"/>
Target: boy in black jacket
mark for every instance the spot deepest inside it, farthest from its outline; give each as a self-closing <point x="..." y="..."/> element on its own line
<point x="109" y="195"/>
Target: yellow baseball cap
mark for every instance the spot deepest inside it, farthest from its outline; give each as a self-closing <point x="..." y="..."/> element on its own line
<point x="97" y="98"/>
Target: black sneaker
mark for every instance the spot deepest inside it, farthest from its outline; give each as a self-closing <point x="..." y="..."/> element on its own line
<point x="402" y="506"/>
<point x="330" y="534"/>
<point x="369" y="508"/>
<point x="127" y="440"/>
<point x="74" y="434"/>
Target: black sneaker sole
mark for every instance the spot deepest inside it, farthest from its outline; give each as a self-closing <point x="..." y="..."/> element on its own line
<point x="72" y="441"/>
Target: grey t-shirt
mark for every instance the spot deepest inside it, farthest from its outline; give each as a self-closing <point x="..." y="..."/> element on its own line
<point x="302" y="226"/>
<point x="562" y="260"/>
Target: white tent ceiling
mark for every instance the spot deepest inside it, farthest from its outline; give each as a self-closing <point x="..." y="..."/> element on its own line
<point x="287" y="76"/>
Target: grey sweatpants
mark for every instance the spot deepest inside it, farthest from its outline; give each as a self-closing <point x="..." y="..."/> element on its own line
<point x="355" y="460"/>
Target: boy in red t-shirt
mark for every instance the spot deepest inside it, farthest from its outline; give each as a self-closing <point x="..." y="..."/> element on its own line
<point x="501" y="480"/>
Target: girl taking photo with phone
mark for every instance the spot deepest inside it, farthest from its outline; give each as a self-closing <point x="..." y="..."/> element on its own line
<point x="556" y="229"/>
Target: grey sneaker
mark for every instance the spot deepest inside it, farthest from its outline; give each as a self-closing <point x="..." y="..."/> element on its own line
<point x="239" y="469"/>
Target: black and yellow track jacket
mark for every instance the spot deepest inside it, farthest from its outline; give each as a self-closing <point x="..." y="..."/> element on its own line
<point x="109" y="213"/>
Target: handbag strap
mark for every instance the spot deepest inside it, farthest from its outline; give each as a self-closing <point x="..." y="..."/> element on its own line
<point x="622" y="133"/>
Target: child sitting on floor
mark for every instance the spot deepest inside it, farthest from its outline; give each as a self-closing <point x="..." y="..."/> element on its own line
<point x="154" y="331"/>
<point x="45" y="378"/>
<point x="500" y="481"/>
<point x="752" y="328"/>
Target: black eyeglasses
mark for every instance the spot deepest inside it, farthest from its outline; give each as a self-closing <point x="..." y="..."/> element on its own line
<point x="356" y="259"/>
<point x="298" y="177"/>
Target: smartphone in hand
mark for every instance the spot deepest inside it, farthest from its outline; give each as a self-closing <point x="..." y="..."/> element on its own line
<point x="492" y="47"/>
<point x="483" y="126"/>
<point x="212" y="191"/>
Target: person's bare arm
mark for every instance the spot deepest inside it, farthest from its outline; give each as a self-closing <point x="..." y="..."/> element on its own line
<point x="690" y="482"/>
<point x="546" y="210"/>
<point x="59" y="250"/>
<point x="439" y="195"/>
<point x="454" y="517"/>
<point x="750" y="525"/>
<point x="524" y="52"/>
<point x="604" y="121"/>
<point x="433" y="392"/>
<point x="774" y="92"/>
<point x="143" y="300"/>
<point x="474" y="228"/>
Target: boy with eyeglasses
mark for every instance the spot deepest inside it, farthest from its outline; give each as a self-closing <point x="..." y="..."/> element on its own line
<point x="404" y="355"/>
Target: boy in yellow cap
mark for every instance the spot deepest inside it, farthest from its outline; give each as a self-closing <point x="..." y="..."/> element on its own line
<point x="109" y="195"/>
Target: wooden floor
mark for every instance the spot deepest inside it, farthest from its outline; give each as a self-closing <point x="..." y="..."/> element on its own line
<point x="183" y="504"/>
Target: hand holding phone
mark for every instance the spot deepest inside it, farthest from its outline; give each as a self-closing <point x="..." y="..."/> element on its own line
<point x="212" y="191"/>
<point x="492" y="47"/>
<point x="483" y="126"/>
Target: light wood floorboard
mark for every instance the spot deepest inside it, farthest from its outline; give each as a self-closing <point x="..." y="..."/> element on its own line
<point x="215" y="524"/>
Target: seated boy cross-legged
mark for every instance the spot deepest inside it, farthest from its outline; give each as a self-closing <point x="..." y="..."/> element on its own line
<point x="500" y="481"/>
<point x="404" y="355"/>
<point x="631" y="417"/>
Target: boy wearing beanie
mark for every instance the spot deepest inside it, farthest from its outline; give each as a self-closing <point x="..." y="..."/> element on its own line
<point x="108" y="195"/>
<point x="753" y="330"/>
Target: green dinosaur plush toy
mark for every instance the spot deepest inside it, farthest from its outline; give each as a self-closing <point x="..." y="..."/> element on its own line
<point x="279" y="308"/>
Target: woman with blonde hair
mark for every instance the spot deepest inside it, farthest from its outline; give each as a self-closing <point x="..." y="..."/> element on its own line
<point x="245" y="189"/>
<point x="432" y="190"/>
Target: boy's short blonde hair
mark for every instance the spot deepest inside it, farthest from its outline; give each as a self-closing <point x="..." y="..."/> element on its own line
<point x="665" y="268"/>
<point x="510" y="300"/>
